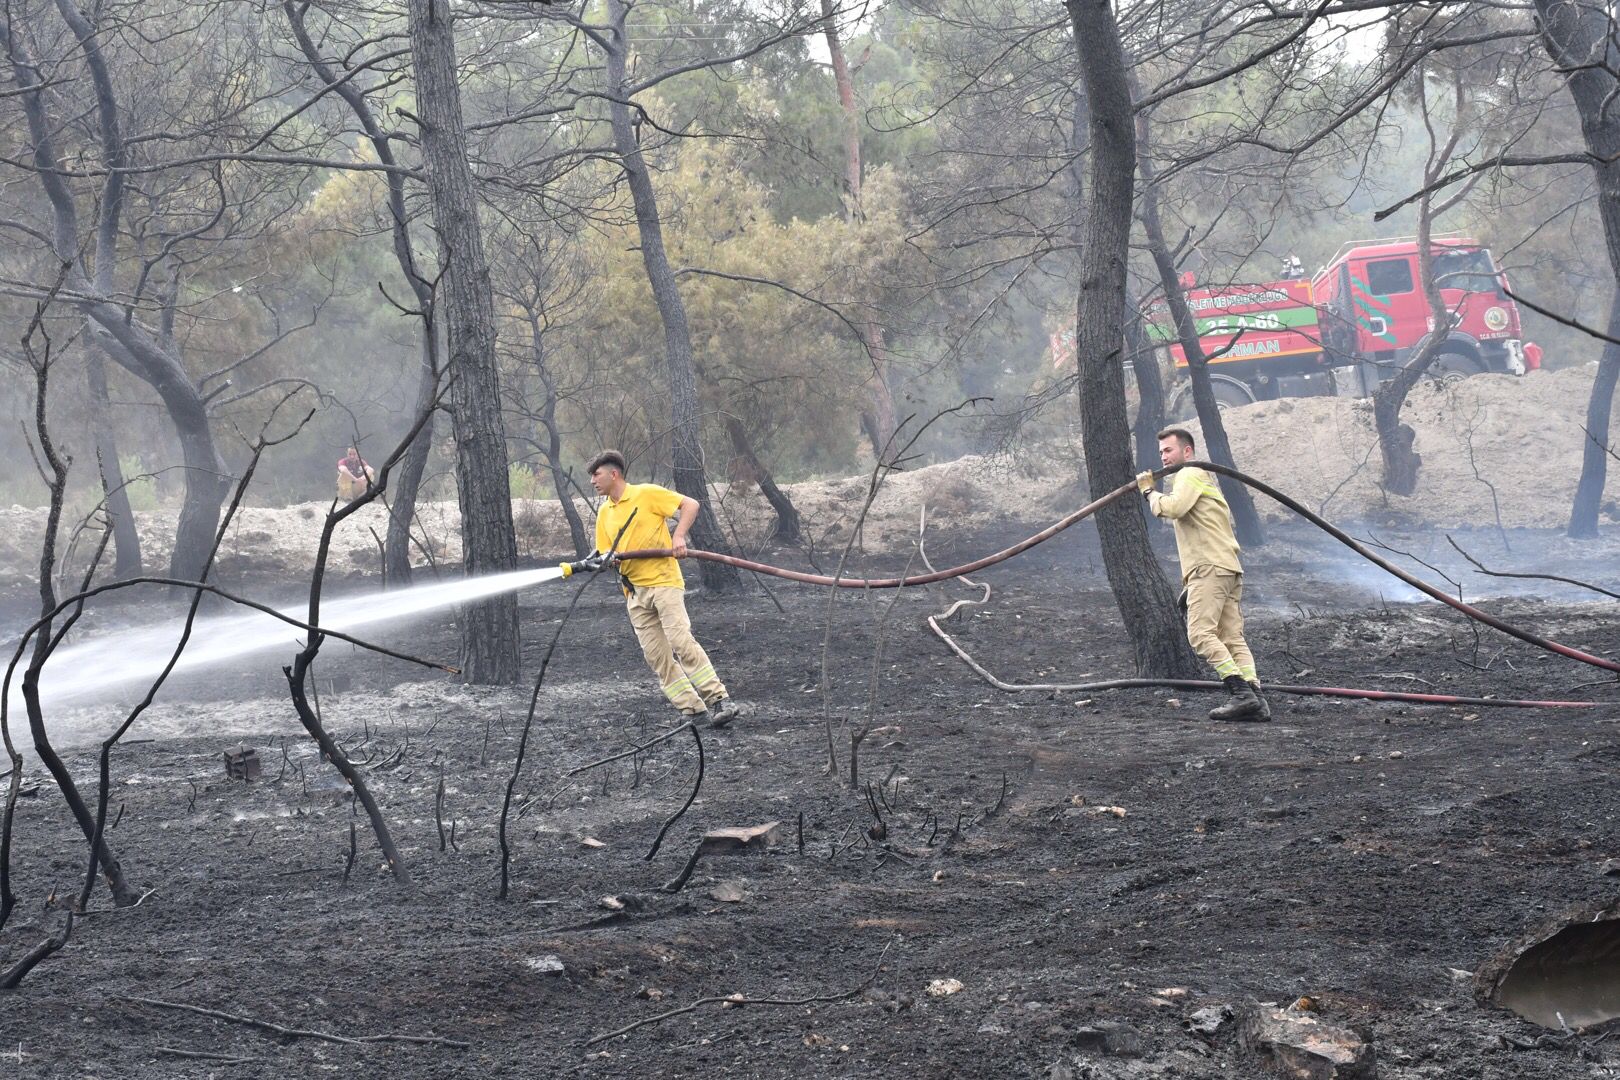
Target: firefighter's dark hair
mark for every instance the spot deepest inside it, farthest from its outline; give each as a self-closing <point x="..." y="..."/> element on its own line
<point x="1180" y="434"/>
<point x="610" y="458"/>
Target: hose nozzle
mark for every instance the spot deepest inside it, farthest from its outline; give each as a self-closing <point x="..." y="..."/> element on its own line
<point x="587" y="565"/>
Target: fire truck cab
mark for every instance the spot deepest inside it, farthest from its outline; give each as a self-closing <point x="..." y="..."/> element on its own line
<point x="1350" y="328"/>
<point x="1374" y="317"/>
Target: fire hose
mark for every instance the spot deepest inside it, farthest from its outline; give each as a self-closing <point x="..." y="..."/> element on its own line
<point x="1118" y="493"/>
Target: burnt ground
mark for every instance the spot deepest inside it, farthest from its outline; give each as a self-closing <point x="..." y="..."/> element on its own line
<point x="1366" y="855"/>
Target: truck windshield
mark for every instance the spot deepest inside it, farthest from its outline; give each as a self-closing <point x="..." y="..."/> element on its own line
<point x="1468" y="270"/>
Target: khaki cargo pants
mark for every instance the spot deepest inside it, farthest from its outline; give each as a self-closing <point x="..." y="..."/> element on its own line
<point x="665" y="633"/>
<point x="1215" y="621"/>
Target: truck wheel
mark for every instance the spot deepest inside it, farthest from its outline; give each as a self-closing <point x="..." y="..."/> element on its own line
<point x="1451" y="368"/>
<point x="1229" y="394"/>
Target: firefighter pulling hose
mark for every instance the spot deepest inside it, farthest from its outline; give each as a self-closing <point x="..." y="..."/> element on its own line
<point x="600" y="562"/>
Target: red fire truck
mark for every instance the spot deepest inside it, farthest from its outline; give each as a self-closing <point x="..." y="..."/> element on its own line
<point x="1349" y="328"/>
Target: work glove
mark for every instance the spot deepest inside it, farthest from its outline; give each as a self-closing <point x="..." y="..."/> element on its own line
<point x="1144" y="482"/>
<point x="593" y="562"/>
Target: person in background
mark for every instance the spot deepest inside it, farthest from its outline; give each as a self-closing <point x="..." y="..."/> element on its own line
<point x="353" y="476"/>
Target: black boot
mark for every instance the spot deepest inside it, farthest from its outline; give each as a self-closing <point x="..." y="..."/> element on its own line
<point x="1265" y="706"/>
<point x="1244" y="704"/>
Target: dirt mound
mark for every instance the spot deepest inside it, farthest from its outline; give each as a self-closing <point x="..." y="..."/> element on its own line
<point x="965" y="493"/>
<point x="1494" y="447"/>
<point x="1492" y="444"/>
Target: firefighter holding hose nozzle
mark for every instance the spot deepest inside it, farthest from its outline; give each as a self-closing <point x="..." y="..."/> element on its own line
<point x="654" y="590"/>
<point x="1211" y="575"/>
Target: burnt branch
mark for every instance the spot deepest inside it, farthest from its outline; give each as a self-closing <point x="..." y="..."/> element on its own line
<point x="528" y="721"/>
<point x="297" y="673"/>
<point x="13" y="976"/>
<point x="737" y="1000"/>
<point x="302" y="1033"/>
<point x="632" y="752"/>
<point x="1488" y="572"/>
<point x="697" y="784"/>
<point x="104" y="788"/>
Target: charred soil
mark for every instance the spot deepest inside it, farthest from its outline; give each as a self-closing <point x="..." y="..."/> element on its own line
<point x="1091" y="870"/>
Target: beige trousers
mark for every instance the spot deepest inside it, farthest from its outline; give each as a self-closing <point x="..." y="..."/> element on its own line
<point x="665" y="633"/>
<point x="1215" y="621"/>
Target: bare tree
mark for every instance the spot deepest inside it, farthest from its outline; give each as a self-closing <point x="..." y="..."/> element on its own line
<point x="686" y="449"/>
<point x="1395" y="439"/>
<point x="1245" y="519"/>
<point x="489" y="628"/>
<point x="879" y="417"/>
<point x="1583" y="514"/>
<point x="1149" y="388"/>
<point x="1145" y="599"/>
<point x="38" y="350"/>
<point x="126" y="538"/>
<point x="537" y="276"/>
<point x="146" y="352"/>
<point x="1580" y="37"/>
<point x="334" y="75"/>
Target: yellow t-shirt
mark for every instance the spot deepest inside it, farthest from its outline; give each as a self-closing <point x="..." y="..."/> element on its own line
<point x="653" y="505"/>
<point x="1202" y="519"/>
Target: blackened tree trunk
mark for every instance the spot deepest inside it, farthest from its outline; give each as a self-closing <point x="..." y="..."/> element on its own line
<point x="1149" y="389"/>
<point x="1580" y="39"/>
<point x="1583" y="516"/>
<point x="583" y="542"/>
<point x="1140" y="349"/>
<point x="402" y="507"/>
<point x="686" y="447"/>
<point x="786" y="530"/>
<point x="1245" y="519"/>
<point x="207" y="480"/>
<point x="126" y="538"/>
<point x="1146" y="602"/>
<point x="1396" y="440"/>
<point x="489" y="628"/>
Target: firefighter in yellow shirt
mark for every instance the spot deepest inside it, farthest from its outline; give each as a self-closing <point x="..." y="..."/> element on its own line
<point x="655" y="591"/>
<point x="1211" y="575"/>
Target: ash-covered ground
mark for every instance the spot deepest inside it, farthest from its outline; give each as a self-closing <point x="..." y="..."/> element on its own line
<point x="1092" y="869"/>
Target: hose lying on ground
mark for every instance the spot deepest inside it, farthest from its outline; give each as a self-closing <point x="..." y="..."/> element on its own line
<point x="1113" y="496"/>
<point x="1203" y="684"/>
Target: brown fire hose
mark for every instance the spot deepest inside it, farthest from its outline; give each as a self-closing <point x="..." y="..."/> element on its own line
<point x="1125" y="489"/>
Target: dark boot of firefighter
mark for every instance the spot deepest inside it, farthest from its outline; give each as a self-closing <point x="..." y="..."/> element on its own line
<point x="655" y="591"/>
<point x="1245" y="703"/>
<point x="1210" y="572"/>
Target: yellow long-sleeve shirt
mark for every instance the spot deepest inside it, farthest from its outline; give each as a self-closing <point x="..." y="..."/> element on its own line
<point x="1203" y="522"/>
<point x="654" y="506"/>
